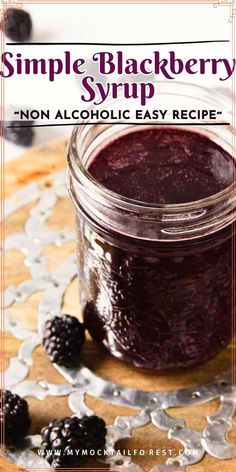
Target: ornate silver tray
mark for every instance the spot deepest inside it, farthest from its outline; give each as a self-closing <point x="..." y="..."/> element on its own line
<point x="82" y="381"/>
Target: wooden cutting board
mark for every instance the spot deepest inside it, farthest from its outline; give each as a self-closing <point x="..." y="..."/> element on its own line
<point x="36" y="164"/>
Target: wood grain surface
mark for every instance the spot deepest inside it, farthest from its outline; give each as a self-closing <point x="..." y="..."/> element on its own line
<point x="37" y="164"/>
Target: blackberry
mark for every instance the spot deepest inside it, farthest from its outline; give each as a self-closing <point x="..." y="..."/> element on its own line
<point x="65" y="440"/>
<point x="63" y="340"/>
<point x="18" y="24"/>
<point x="14" y="418"/>
<point x="19" y="135"/>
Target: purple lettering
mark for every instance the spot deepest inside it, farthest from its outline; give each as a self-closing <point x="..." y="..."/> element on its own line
<point x="8" y="65"/>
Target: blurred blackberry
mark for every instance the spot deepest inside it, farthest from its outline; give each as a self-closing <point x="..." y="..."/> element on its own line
<point x="14" y="417"/>
<point x="17" y="24"/>
<point x="65" y="440"/>
<point x="63" y="340"/>
<point x="19" y="135"/>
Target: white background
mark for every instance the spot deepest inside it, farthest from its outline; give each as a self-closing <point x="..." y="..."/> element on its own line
<point x="109" y="23"/>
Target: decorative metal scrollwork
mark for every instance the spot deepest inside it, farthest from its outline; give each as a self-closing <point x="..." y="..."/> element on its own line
<point x="82" y="381"/>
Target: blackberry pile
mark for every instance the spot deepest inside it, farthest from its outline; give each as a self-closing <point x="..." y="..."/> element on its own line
<point x="63" y="340"/>
<point x="14" y="417"/>
<point x="68" y="442"/>
<point x="17" y="24"/>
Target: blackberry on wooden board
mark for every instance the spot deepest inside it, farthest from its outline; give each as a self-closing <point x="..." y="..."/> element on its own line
<point x="64" y="440"/>
<point x="63" y="339"/>
<point x="18" y="133"/>
<point x="15" y="419"/>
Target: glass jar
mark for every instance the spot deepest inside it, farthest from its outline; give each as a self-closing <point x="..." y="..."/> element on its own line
<point x="155" y="281"/>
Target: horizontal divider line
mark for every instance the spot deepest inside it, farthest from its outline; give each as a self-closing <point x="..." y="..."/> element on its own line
<point x="118" y="123"/>
<point x="117" y="44"/>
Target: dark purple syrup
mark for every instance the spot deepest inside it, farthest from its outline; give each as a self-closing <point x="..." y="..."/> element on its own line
<point x="159" y="305"/>
<point x="163" y="166"/>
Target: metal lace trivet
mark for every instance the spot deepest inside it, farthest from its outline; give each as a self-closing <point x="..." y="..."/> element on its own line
<point x="82" y="381"/>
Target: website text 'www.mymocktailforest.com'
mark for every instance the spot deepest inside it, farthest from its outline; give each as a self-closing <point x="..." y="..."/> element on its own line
<point x="166" y="452"/>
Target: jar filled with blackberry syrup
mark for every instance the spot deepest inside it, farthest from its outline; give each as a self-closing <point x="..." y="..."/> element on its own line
<point x="155" y="210"/>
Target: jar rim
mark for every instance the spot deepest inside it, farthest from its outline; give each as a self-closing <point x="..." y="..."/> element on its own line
<point x="170" y="211"/>
<point x="79" y="168"/>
